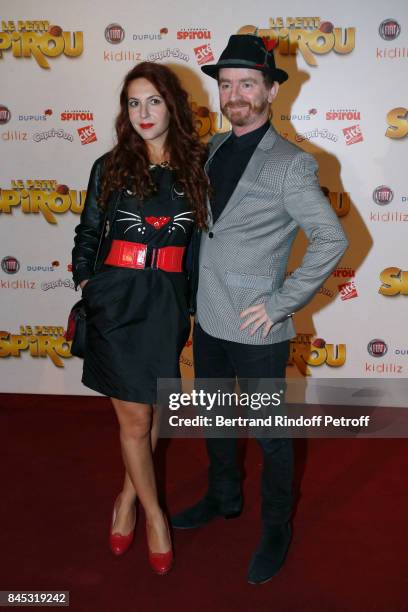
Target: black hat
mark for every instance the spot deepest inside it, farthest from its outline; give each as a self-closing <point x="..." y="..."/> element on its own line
<point x="248" y="51"/>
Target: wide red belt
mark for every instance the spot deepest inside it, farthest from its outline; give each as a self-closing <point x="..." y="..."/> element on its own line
<point x="134" y="255"/>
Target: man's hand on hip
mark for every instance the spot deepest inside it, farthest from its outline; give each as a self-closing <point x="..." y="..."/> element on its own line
<point x="257" y="315"/>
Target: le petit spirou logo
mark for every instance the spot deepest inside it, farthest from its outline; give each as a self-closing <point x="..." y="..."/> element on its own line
<point x="305" y="352"/>
<point x="38" y="341"/>
<point x="46" y="197"/>
<point x="309" y="35"/>
<point x="397" y="120"/>
<point x="394" y="282"/>
<point x="40" y="40"/>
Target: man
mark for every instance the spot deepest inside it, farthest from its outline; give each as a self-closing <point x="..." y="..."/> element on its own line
<point x="263" y="189"/>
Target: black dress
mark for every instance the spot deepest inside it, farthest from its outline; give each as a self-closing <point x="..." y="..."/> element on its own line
<point x="138" y="320"/>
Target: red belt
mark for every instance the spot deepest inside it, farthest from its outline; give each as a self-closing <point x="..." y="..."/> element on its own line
<point x="133" y="255"/>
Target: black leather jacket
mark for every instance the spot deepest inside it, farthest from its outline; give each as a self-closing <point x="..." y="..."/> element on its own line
<point x="92" y="235"/>
<point x="192" y="265"/>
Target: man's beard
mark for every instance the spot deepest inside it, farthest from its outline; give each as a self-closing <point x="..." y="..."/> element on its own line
<point x="228" y="110"/>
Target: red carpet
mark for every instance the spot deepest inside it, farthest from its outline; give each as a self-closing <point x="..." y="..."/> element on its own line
<point x="61" y="470"/>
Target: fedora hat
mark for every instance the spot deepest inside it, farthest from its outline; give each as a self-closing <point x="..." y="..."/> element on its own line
<point x="248" y="51"/>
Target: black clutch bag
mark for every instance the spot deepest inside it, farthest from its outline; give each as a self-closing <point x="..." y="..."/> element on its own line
<point x="76" y="329"/>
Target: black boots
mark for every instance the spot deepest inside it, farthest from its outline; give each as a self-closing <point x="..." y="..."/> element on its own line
<point x="270" y="554"/>
<point x="205" y="511"/>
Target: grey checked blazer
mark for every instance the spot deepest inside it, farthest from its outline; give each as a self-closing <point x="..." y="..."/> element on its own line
<point x="244" y="255"/>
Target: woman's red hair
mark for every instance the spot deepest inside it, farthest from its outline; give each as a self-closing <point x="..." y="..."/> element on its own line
<point x="127" y="164"/>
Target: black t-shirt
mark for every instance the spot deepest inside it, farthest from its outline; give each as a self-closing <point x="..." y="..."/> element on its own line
<point x="228" y="165"/>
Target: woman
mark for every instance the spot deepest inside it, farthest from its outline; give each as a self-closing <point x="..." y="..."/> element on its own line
<point x="143" y="200"/>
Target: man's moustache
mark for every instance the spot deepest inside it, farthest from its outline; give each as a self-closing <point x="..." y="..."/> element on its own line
<point x="233" y="105"/>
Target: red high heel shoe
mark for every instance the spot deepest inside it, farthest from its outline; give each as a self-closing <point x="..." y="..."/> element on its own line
<point x="161" y="563"/>
<point x="119" y="543"/>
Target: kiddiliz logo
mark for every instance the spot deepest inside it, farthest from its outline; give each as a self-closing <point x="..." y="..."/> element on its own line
<point x="389" y="30"/>
<point x="377" y="348"/>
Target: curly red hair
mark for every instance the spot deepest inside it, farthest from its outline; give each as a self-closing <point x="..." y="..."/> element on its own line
<point x="127" y="164"/>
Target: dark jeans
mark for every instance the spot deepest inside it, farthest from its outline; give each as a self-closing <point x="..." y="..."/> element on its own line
<point x="216" y="358"/>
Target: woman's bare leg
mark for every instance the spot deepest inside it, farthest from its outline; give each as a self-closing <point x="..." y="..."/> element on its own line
<point x="125" y="507"/>
<point x="138" y="436"/>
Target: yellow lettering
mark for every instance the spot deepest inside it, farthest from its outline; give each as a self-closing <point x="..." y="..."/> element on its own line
<point x="283" y="39"/>
<point x="320" y="42"/>
<point x="4" y="344"/>
<point x="58" y="203"/>
<point x="349" y="40"/>
<point x="397" y="120"/>
<point x="46" y="347"/>
<point x="33" y="348"/>
<point x="38" y="201"/>
<point x="5" y="42"/>
<point x="336" y="355"/>
<point x="51" y="46"/>
<point x="394" y="282"/>
<point x="17" y="344"/>
<point x="297" y="357"/>
<point x="77" y="206"/>
<point x="31" y="45"/>
<point x="63" y="347"/>
<point x="298" y="39"/>
<point x="311" y="22"/>
<point x="77" y="47"/>
<point x="25" y="201"/>
<point x="8" y="26"/>
<point x="8" y="198"/>
<point x="297" y="35"/>
<point x="275" y="23"/>
<point x="17" y="184"/>
<point x="317" y="356"/>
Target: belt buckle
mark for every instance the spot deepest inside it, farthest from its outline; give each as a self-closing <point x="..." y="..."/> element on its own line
<point x="141" y="258"/>
<point x="151" y="258"/>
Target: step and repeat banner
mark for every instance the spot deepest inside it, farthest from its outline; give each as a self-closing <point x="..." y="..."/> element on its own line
<point x="346" y="102"/>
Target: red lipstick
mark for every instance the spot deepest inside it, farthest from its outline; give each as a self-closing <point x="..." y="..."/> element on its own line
<point x="146" y="126"/>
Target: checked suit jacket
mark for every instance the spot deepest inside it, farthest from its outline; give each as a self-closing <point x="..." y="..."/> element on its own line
<point x="243" y="256"/>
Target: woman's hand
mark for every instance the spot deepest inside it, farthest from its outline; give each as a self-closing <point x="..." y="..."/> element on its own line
<point x="83" y="283"/>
